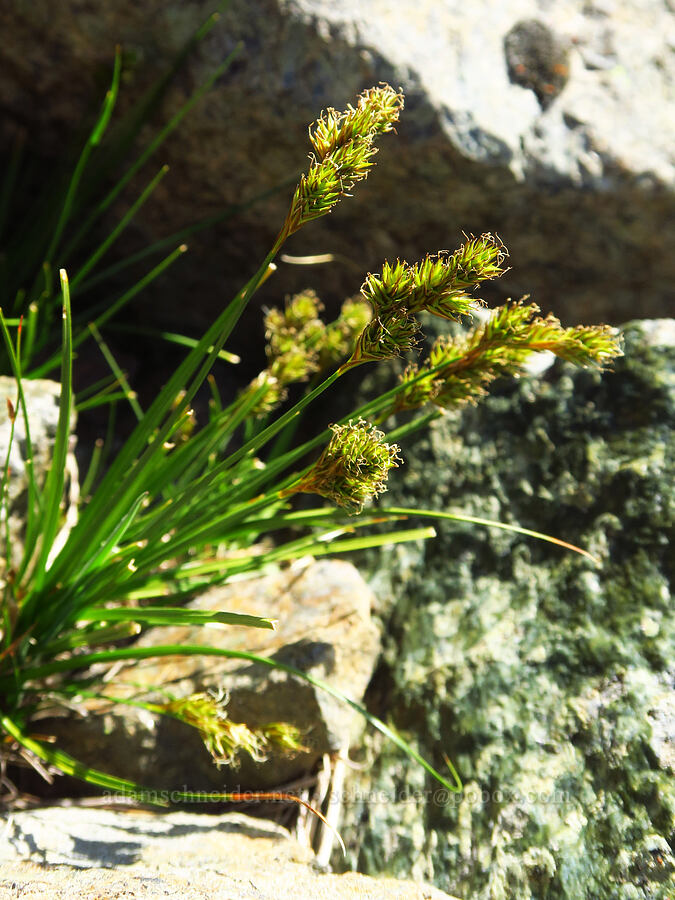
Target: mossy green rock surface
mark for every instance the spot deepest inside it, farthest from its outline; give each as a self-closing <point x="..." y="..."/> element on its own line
<point x="547" y="679"/>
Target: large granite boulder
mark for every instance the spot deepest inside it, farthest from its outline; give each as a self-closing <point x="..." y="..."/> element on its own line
<point x="550" y="124"/>
<point x="548" y="680"/>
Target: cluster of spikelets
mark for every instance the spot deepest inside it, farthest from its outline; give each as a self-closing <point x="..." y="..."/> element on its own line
<point x="299" y="344"/>
<point x="353" y="468"/>
<point x="226" y="739"/>
<point x="459" y="370"/>
<point x="382" y="324"/>
<point x="440" y="285"/>
<point x="344" y="150"/>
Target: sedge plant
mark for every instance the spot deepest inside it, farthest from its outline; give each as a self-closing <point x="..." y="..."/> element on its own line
<point x="156" y="527"/>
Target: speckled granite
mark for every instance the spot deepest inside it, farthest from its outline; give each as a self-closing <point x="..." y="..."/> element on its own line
<point x="74" y="853"/>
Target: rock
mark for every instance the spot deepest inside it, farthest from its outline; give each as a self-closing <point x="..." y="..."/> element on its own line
<point x="325" y="629"/>
<point x="550" y="124"/>
<point x="42" y="405"/>
<point x="548" y="680"/>
<point x="69" y="853"/>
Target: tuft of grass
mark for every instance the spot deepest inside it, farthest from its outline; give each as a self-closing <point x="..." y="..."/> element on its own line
<point x="157" y="525"/>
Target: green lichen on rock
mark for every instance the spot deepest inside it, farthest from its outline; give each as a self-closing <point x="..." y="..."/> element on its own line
<point x="549" y="681"/>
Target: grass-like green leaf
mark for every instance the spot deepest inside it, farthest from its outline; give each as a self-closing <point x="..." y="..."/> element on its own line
<point x="157" y="615"/>
<point x="70" y="766"/>
<point x="93" y="140"/>
<point x="489" y="523"/>
<point x="111" y="310"/>
<point x="56" y="478"/>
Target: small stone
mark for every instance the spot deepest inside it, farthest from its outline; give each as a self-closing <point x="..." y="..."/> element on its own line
<point x="324" y="629"/>
<point x="42" y="406"/>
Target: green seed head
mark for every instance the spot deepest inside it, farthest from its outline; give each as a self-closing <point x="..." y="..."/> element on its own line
<point x="385" y="337"/>
<point x="353" y="468"/>
<point x="343" y="145"/>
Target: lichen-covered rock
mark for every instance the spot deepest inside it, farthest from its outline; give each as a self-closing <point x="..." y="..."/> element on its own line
<point x="547" y="679"/>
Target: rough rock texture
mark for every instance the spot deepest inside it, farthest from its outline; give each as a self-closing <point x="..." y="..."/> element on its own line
<point x="550" y="123"/>
<point x="80" y="853"/>
<point x="548" y="680"/>
<point x="42" y="405"/>
<point x="324" y="629"/>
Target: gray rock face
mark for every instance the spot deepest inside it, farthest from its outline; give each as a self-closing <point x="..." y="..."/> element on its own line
<point x="549" y="123"/>
<point x="548" y="680"/>
<point x="80" y="853"/>
<point x="325" y="629"/>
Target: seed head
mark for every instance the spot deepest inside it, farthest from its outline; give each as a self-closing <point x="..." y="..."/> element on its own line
<point x="352" y="469"/>
<point x="344" y="150"/>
